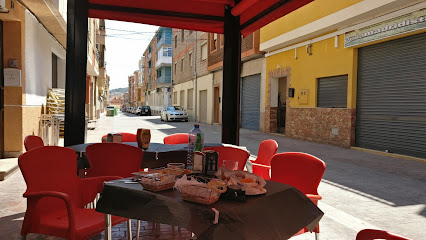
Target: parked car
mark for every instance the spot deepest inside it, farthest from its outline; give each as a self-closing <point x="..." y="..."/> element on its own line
<point x="174" y="113"/>
<point x="145" y="110"/>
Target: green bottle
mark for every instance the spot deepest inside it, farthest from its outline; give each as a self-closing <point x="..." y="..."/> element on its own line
<point x="198" y="143"/>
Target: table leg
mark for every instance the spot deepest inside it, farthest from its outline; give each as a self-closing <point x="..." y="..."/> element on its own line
<point x="138" y="229"/>
<point x="129" y="229"/>
<point x="80" y="173"/>
<point x="108" y="227"/>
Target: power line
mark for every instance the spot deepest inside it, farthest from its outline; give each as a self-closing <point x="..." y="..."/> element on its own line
<point x="120" y="36"/>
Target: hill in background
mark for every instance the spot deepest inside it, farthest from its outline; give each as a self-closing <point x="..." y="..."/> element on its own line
<point x="117" y="91"/>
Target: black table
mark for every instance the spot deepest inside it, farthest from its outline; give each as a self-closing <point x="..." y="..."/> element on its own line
<point x="278" y="214"/>
<point x="156" y="156"/>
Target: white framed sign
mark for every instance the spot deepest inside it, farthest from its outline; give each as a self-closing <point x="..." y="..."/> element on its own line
<point x="393" y="27"/>
<point x="12" y="77"/>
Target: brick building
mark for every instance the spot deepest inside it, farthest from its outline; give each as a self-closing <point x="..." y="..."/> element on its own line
<point x="190" y="76"/>
<point x="252" y="80"/>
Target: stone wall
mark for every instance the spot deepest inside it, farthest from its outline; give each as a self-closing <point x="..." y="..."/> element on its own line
<point x="334" y="126"/>
<point x="273" y="120"/>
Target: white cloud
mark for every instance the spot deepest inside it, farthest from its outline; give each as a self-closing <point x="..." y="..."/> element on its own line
<point x="125" y="44"/>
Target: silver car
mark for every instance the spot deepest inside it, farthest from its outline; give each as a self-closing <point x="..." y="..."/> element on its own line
<point x="174" y="113"/>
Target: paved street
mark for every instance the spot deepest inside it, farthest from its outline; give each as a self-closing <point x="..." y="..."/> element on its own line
<point x="360" y="190"/>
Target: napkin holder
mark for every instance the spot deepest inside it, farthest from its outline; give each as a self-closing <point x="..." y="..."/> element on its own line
<point x="114" y="137"/>
<point x="211" y="162"/>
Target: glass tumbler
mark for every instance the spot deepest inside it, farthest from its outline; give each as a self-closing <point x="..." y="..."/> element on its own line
<point x="229" y="165"/>
<point x="176" y="165"/>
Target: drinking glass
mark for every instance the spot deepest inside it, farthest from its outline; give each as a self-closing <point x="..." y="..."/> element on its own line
<point x="229" y="165"/>
<point x="176" y="165"/>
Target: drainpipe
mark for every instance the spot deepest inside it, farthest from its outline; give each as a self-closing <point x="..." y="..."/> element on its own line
<point x="195" y="78"/>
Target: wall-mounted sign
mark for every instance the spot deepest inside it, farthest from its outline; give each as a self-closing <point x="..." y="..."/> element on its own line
<point x="12" y="77"/>
<point x="396" y="26"/>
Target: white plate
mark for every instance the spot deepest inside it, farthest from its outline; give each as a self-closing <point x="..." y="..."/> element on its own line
<point x="262" y="191"/>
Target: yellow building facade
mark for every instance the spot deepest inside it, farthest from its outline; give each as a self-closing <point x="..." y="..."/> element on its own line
<point x="326" y="58"/>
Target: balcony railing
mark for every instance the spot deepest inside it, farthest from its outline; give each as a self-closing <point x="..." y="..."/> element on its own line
<point x="164" y="41"/>
<point x="164" y="80"/>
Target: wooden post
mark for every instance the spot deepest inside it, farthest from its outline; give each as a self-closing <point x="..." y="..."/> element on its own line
<point x="231" y="79"/>
<point x="75" y="97"/>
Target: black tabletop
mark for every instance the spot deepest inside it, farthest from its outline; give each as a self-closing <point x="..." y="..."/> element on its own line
<point x="157" y="155"/>
<point x="153" y="147"/>
<point x="278" y="214"/>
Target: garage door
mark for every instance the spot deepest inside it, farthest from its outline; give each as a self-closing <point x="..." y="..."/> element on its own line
<point x="250" y="102"/>
<point x="391" y="102"/>
<point x="203" y="106"/>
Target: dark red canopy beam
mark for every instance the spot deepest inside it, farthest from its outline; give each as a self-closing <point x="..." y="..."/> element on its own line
<point x="155" y="12"/>
<point x="264" y="12"/>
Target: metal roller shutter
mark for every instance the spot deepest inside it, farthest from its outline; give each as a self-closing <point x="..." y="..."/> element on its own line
<point x="332" y="92"/>
<point x="391" y="102"/>
<point x="250" y="102"/>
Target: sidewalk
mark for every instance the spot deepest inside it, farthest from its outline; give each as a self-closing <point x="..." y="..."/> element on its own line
<point x="360" y="190"/>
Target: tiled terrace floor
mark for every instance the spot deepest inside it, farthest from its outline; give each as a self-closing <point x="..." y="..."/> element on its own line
<point x="360" y="190"/>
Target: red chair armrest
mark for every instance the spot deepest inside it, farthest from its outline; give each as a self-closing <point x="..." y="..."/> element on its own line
<point x="261" y="165"/>
<point x="65" y="197"/>
<point x="314" y="197"/>
<point x="90" y="187"/>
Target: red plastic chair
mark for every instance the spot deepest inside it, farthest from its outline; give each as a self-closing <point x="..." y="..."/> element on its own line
<point x="56" y="198"/>
<point x="178" y="138"/>
<point x="371" y="234"/>
<point x="113" y="159"/>
<point x="262" y="165"/>
<point x="231" y="153"/>
<point x="302" y="171"/>
<point x="127" y="137"/>
<point x="32" y="141"/>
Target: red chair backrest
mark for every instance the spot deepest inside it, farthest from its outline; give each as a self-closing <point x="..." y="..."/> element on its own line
<point x="51" y="168"/>
<point x="231" y="153"/>
<point x="32" y="142"/>
<point x="113" y="159"/>
<point x="371" y="234"/>
<point x="127" y="137"/>
<point x="267" y="150"/>
<point x="178" y="138"/>
<point x="299" y="170"/>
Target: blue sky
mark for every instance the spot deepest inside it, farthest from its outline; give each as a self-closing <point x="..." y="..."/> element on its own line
<point x="125" y="44"/>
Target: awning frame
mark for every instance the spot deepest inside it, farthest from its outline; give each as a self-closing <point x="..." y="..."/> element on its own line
<point x="253" y="13"/>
